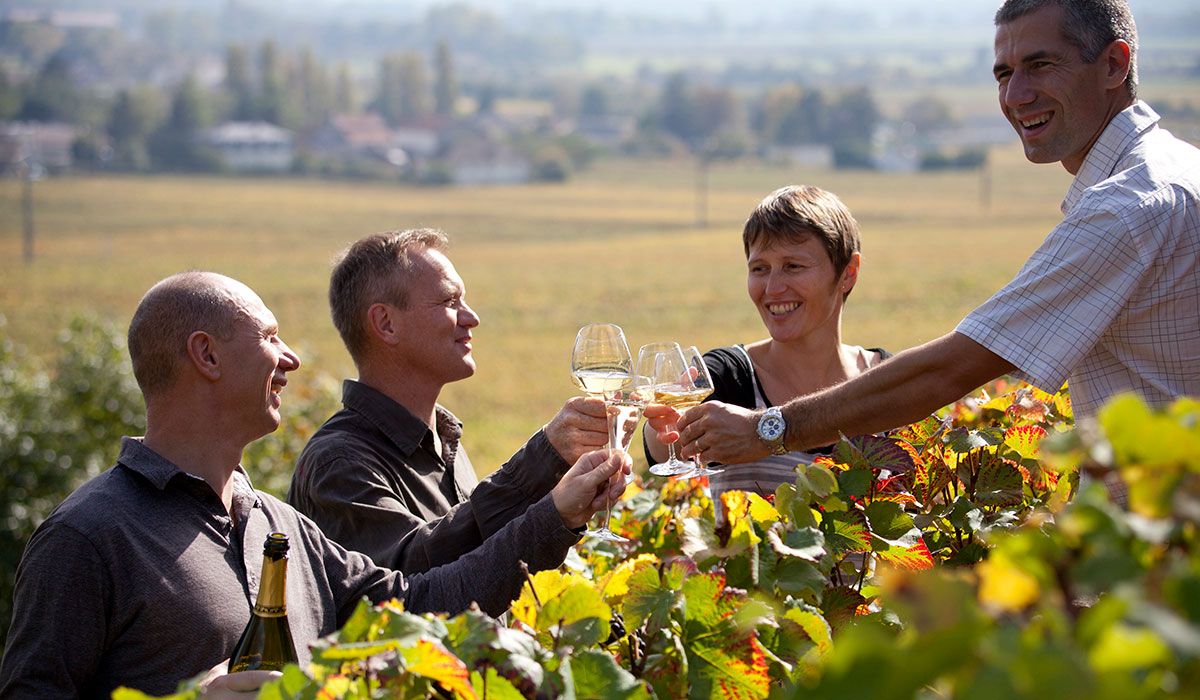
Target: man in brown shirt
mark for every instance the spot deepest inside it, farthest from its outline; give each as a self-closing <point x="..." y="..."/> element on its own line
<point x="388" y="475"/>
<point x="145" y="575"/>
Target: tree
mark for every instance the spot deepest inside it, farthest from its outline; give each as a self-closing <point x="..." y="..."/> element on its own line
<point x="594" y="101"/>
<point x="343" y="91"/>
<point x="173" y="145"/>
<point x="929" y="114"/>
<point x="674" y="108"/>
<point x="315" y="90"/>
<point x="402" y="88"/>
<point x="277" y="102"/>
<point x="445" y="83"/>
<point x="134" y="116"/>
<point x="414" y="86"/>
<point x="240" y="83"/>
<point x="52" y="96"/>
<point x="10" y="96"/>
<point x="853" y="119"/>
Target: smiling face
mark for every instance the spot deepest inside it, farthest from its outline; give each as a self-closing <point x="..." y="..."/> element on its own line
<point x="436" y="321"/>
<point x="258" y="364"/>
<point x="1058" y="104"/>
<point x="795" y="289"/>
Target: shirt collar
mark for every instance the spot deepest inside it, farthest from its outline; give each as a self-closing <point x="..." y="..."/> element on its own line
<point x="1113" y="144"/>
<point x="394" y="420"/>
<point x="159" y="471"/>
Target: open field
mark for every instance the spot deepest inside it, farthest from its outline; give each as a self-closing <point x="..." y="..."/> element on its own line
<point x="618" y="243"/>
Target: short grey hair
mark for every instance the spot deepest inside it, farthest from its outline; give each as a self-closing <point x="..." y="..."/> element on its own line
<point x="1090" y="26"/>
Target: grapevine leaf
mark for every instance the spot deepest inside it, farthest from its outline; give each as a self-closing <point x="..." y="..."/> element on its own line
<point x="572" y="609"/>
<point x="806" y="543"/>
<point x="597" y="675"/>
<point x="908" y="553"/>
<point x="895" y="538"/>
<point x="875" y="452"/>
<point x="999" y="484"/>
<point x="855" y="482"/>
<point x="927" y="480"/>
<point x="651" y="597"/>
<point x="578" y="616"/>
<point x="804" y="639"/>
<point x="921" y="433"/>
<point x="616" y="583"/>
<point x="888" y="520"/>
<point x="798" y="577"/>
<point x="433" y="661"/>
<point x="762" y="511"/>
<point x="815" y="479"/>
<point x="963" y="439"/>
<point x="1062" y="402"/>
<point x="846" y="532"/>
<point x="493" y="686"/>
<point x="1024" y="439"/>
<point x="814" y="627"/>
<point x="966" y="515"/>
<point x="840" y="604"/>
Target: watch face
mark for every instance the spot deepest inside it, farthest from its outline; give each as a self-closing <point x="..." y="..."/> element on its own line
<point x="771" y="428"/>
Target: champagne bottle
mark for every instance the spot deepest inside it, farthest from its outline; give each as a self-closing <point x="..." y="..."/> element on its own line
<point x="266" y="642"/>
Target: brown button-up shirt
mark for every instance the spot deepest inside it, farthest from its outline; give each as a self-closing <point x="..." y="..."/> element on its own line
<point x="373" y="479"/>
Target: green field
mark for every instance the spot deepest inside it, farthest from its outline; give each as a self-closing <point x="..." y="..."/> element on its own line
<point x="618" y="243"/>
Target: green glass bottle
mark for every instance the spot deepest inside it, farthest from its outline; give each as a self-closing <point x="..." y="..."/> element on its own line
<point x="266" y="643"/>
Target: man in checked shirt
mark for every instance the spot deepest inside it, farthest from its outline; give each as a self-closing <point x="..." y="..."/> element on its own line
<point x="1110" y="300"/>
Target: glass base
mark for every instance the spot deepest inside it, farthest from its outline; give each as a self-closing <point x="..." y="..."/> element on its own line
<point x="698" y="471"/>
<point x="671" y="467"/>
<point x="606" y="534"/>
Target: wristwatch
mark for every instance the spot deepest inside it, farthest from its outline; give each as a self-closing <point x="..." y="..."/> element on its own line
<point x="771" y="430"/>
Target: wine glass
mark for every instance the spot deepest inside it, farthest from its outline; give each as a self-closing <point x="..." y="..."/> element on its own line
<point x="600" y="360"/>
<point x="702" y="381"/>
<point x="674" y="386"/>
<point x="600" y="366"/>
<point x="625" y="411"/>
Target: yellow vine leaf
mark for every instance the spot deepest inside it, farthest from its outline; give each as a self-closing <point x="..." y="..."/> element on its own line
<point x="432" y="660"/>
<point x="1004" y="585"/>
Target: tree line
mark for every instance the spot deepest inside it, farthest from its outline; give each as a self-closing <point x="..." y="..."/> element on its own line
<point x="146" y="128"/>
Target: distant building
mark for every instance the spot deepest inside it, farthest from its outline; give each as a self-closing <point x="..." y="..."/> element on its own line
<point x="486" y="162"/>
<point x="251" y="146"/>
<point x="44" y="145"/>
<point x="352" y="136"/>
<point x="605" y="130"/>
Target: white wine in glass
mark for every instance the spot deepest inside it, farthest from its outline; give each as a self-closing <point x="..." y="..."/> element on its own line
<point x="702" y="386"/>
<point x="601" y="366"/>
<point x="673" y="386"/>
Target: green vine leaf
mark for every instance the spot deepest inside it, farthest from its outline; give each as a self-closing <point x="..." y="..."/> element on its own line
<point x="598" y="676"/>
<point x="652" y="597"/>
<point x="806" y="543"/>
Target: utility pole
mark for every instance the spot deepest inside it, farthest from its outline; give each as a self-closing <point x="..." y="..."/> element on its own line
<point x="27" y="211"/>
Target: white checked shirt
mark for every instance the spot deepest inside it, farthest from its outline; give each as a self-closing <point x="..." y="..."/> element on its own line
<point x="1111" y="298"/>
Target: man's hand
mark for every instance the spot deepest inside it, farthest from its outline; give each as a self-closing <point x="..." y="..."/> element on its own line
<point x="580" y="427"/>
<point x="720" y="432"/>
<point x="219" y="684"/>
<point x="596" y="479"/>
